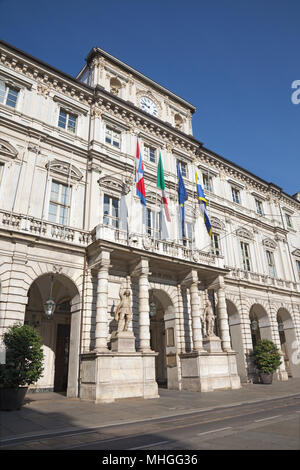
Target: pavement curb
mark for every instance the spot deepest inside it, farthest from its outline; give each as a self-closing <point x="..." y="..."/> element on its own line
<point x="85" y="430"/>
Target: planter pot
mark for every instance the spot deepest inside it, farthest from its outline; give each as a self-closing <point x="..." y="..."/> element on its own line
<point x="266" y="378"/>
<point x="12" y="398"/>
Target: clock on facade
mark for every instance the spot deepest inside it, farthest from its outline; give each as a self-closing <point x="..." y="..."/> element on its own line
<point x="148" y="106"/>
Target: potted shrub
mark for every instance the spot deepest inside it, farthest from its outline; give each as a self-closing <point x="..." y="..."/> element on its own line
<point x="267" y="359"/>
<point x="23" y="365"/>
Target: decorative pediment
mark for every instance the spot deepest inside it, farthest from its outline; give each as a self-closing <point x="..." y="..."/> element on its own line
<point x="217" y="223"/>
<point x="111" y="183"/>
<point x="7" y="150"/>
<point x="296" y="253"/>
<point x="244" y="233"/>
<point x="269" y="243"/>
<point x="64" y="169"/>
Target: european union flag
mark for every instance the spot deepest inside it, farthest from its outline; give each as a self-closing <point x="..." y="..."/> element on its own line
<point x="182" y="197"/>
<point x="202" y="204"/>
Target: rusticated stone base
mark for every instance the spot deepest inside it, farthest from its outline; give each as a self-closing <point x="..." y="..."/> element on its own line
<point x="106" y="377"/>
<point x="205" y="372"/>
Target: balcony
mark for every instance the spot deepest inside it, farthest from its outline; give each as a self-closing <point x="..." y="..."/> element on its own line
<point x="43" y="228"/>
<point x="149" y="244"/>
<point x="263" y="279"/>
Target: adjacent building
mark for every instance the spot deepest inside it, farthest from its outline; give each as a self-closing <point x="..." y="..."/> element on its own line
<point x="74" y="235"/>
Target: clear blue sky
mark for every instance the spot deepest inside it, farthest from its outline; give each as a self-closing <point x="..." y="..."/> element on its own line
<point x="235" y="60"/>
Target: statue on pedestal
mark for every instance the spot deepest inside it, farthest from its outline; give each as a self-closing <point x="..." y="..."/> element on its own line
<point x="209" y="321"/>
<point x="123" y="313"/>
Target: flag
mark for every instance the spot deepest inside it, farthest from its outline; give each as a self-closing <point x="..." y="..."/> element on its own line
<point x="161" y="185"/>
<point x="139" y="175"/>
<point x="202" y="201"/>
<point x="182" y="197"/>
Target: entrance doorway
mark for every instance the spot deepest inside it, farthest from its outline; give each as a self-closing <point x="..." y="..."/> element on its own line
<point x="158" y="344"/>
<point x="62" y="358"/>
<point x="59" y="332"/>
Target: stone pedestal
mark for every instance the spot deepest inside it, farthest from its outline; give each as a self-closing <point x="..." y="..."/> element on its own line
<point x="123" y="341"/>
<point x="205" y="372"/>
<point x="108" y="376"/>
<point x="212" y="344"/>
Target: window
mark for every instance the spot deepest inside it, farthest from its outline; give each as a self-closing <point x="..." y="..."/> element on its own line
<point x="59" y="203"/>
<point x="150" y="153"/>
<point x="8" y="95"/>
<point x="112" y="137"/>
<point x="67" y="121"/>
<point x="111" y="211"/>
<point x="207" y="182"/>
<point x="288" y="220"/>
<point x="215" y="244"/>
<point x="153" y="223"/>
<point x="246" y="256"/>
<point x="183" y="168"/>
<point x="298" y="267"/>
<point x="271" y="263"/>
<point x="235" y="195"/>
<point x="188" y="238"/>
<point x="259" y="207"/>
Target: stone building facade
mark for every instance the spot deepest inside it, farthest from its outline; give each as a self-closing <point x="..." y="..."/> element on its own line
<point x="73" y="230"/>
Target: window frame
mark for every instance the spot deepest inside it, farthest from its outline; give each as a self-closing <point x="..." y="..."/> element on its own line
<point x="271" y="263"/>
<point x="246" y="257"/>
<point x="113" y="221"/>
<point x="188" y="241"/>
<point x="259" y="210"/>
<point x="154" y="229"/>
<point x="298" y="267"/>
<point x="9" y="87"/>
<point x="238" y="191"/>
<point x="67" y="128"/>
<point x="215" y="250"/>
<point x="147" y="155"/>
<point x="288" y="220"/>
<point x="59" y="204"/>
<point x="113" y="131"/>
<point x="209" y="180"/>
<point x="183" y="164"/>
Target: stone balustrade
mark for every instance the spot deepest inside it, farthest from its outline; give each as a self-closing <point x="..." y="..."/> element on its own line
<point x="43" y="228"/>
<point x="263" y="279"/>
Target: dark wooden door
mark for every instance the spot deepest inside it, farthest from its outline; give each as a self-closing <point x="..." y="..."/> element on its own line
<point x="62" y="358"/>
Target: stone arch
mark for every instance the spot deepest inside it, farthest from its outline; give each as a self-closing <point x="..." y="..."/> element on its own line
<point x="164" y="330"/>
<point x="235" y="329"/>
<point x="259" y="314"/>
<point x="60" y="333"/>
<point x="288" y="341"/>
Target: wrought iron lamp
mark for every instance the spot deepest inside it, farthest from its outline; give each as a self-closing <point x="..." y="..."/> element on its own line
<point x="49" y="305"/>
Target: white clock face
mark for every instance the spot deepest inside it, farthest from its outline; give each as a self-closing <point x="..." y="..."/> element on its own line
<point x="148" y="106"/>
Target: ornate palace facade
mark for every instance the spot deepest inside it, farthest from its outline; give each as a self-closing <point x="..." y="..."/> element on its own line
<point x="73" y="231"/>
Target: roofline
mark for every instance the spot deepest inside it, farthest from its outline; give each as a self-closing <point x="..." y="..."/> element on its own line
<point x="97" y="50"/>
<point x="45" y="64"/>
<point x="91" y="89"/>
<point x="229" y="162"/>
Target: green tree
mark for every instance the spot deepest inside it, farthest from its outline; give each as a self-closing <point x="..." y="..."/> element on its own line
<point x="24" y="357"/>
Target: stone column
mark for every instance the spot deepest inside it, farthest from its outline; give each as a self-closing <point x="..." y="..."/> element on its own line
<point x="144" y="309"/>
<point x="223" y="316"/>
<point x="192" y="282"/>
<point x="101" y="303"/>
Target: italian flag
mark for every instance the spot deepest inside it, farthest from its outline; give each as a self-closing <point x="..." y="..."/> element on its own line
<point x="161" y="185"/>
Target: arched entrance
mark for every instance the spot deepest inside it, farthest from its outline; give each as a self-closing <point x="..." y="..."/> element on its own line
<point x="163" y="338"/>
<point x="259" y="324"/>
<point x="60" y="333"/>
<point x="287" y="341"/>
<point x="235" y="330"/>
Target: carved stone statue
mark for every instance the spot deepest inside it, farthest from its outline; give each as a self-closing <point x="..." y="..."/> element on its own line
<point x="209" y="321"/>
<point x="123" y="313"/>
